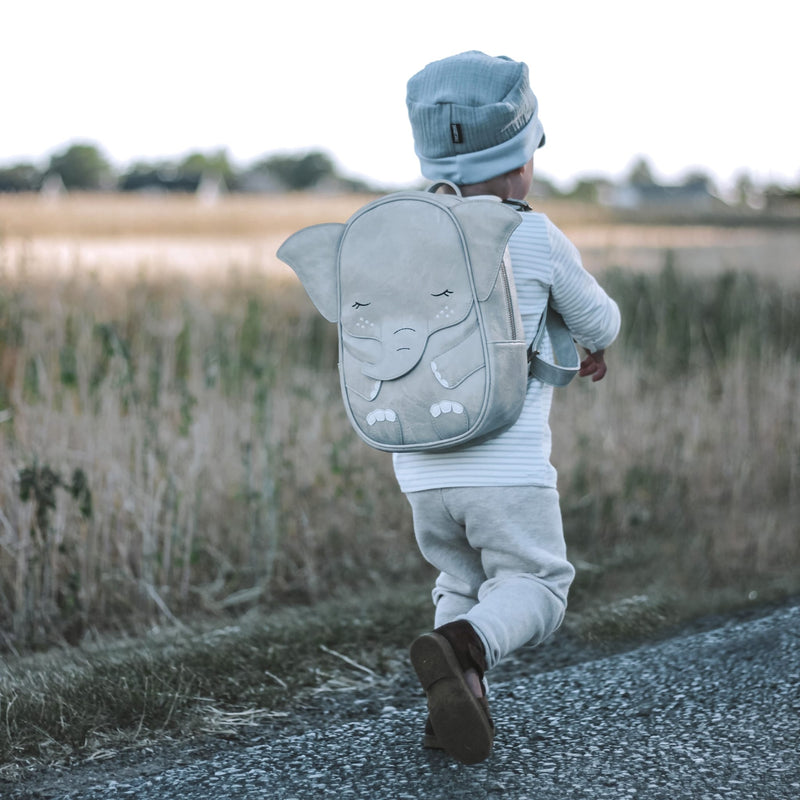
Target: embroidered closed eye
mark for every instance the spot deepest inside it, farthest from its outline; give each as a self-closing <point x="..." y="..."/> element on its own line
<point x="359" y="305"/>
<point x="445" y="293"/>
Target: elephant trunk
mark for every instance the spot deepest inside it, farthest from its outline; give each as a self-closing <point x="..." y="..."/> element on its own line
<point x="397" y="352"/>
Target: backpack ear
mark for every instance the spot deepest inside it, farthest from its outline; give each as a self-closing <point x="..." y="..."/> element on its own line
<point x="487" y="227"/>
<point x="312" y="253"/>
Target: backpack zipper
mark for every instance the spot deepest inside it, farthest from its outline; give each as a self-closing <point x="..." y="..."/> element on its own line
<point x="509" y="300"/>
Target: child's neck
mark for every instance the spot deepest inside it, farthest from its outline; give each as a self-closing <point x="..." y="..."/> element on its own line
<point x="512" y="185"/>
<point x="496" y="186"/>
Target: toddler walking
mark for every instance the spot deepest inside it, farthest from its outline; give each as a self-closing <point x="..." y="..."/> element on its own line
<point x="487" y="516"/>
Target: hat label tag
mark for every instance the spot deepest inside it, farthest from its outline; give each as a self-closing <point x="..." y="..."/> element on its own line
<point x="456" y="134"/>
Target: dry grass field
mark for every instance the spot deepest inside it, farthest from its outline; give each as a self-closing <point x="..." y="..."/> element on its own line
<point x="172" y="445"/>
<point x="113" y="235"/>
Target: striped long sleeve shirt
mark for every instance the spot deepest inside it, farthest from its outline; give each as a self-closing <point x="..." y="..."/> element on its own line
<point x="545" y="264"/>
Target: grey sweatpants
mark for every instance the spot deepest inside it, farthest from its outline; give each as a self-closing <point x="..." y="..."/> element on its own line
<point x="502" y="558"/>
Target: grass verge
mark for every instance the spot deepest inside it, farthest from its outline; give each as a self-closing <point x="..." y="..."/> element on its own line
<point x="81" y="702"/>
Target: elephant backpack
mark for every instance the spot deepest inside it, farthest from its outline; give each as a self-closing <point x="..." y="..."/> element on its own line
<point x="432" y="354"/>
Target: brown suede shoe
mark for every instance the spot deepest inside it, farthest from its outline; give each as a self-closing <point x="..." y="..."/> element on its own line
<point x="429" y="740"/>
<point x="460" y="721"/>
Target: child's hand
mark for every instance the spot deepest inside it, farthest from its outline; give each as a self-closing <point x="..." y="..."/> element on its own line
<point x="595" y="365"/>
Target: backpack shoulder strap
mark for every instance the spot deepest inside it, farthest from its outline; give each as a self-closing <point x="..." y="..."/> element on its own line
<point x="567" y="360"/>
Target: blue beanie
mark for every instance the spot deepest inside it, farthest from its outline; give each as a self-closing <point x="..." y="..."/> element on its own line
<point x="473" y="117"/>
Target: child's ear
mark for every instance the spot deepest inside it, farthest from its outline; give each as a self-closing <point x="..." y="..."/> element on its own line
<point x="527" y="165"/>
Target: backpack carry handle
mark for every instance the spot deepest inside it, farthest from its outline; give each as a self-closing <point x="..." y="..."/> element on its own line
<point x="433" y="188"/>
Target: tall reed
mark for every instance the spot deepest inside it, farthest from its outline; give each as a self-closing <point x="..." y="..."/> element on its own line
<point x="688" y="454"/>
<point x="171" y="448"/>
<point x="206" y="422"/>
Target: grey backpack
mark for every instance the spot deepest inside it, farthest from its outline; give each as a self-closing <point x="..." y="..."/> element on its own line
<point x="432" y="354"/>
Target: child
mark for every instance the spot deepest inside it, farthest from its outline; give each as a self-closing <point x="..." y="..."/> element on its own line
<point x="487" y="516"/>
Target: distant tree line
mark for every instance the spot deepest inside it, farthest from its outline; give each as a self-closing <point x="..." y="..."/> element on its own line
<point x="83" y="166"/>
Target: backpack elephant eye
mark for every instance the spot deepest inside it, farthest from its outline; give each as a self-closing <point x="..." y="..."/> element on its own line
<point x="445" y="293"/>
<point x="359" y="305"/>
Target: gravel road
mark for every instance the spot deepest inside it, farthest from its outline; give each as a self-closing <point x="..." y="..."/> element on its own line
<point x="706" y="714"/>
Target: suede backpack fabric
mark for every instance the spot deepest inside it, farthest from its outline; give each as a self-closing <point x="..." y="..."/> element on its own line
<point x="431" y="343"/>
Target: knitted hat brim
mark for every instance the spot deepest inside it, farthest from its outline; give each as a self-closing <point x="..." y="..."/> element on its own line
<point x="482" y="165"/>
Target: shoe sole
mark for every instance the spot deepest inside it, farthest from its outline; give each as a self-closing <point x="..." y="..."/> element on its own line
<point x="461" y="726"/>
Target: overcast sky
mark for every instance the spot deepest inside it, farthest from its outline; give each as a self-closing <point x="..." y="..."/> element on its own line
<point x="706" y="84"/>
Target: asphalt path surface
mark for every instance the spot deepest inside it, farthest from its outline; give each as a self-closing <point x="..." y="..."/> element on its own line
<point x="705" y="714"/>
